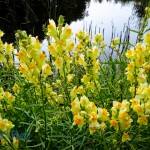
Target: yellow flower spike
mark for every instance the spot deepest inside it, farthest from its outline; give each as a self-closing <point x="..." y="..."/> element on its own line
<point x="38" y="44"/>
<point x="139" y="62"/>
<point x="41" y="60"/>
<point x="73" y="92"/>
<point x="86" y="78"/>
<point x="93" y="127"/>
<point x="52" y="31"/>
<point x="80" y="90"/>
<point x="125" y="106"/>
<point x="135" y="102"/>
<point x="81" y="60"/>
<point x="114" y="124"/>
<point x="9" y="125"/>
<point x="70" y="77"/>
<point x="146" y="66"/>
<point x="46" y="70"/>
<point x="69" y="45"/>
<point x="89" y="53"/>
<point x="142" y="120"/>
<point x="116" y="41"/>
<point x="52" y="50"/>
<point x="139" y="109"/>
<point x="66" y="33"/>
<point x="16" y="88"/>
<point x="95" y="53"/>
<point x="90" y="107"/>
<point x="117" y="104"/>
<point x="91" y="86"/>
<point x="114" y="112"/>
<point x="11" y="99"/>
<point x="23" y="69"/>
<point x="103" y="114"/>
<point x="139" y="49"/>
<point x="130" y="54"/>
<point x="78" y="120"/>
<point x="131" y="66"/>
<point x="1" y="33"/>
<point x="123" y="116"/>
<point x="7" y="95"/>
<point x="75" y="106"/>
<point x="59" y="62"/>
<point x="125" y="137"/>
<point x="93" y="117"/>
<point x="141" y="78"/>
<point x="98" y="38"/>
<point x="147" y="38"/>
<point x="84" y="101"/>
<point x="126" y="124"/>
<point x="9" y="48"/>
<point x="3" y="126"/>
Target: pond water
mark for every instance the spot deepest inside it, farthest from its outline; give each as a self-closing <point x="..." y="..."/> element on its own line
<point x="108" y="17"/>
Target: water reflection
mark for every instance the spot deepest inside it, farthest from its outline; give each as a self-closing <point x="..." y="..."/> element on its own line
<point x="31" y="15"/>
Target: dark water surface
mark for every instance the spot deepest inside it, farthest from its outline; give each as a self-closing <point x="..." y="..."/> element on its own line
<point x="91" y="15"/>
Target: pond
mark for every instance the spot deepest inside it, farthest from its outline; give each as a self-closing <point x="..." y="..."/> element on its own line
<point x="109" y="17"/>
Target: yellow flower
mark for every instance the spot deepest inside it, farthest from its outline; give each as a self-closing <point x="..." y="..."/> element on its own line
<point x="59" y="62"/>
<point x="139" y="109"/>
<point x="147" y="38"/>
<point x="117" y="105"/>
<point x="1" y="33"/>
<point x="23" y="70"/>
<point x="98" y="38"/>
<point x="91" y="107"/>
<point x="66" y="33"/>
<point x="70" y="77"/>
<point x="52" y="50"/>
<point x="103" y="114"/>
<point x="93" y="127"/>
<point x="75" y="106"/>
<point x="80" y="90"/>
<point x="125" y="125"/>
<point x="125" y="137"/>
<point x="3" y="126"/>
<point x="123" y="116"/>
<point x="114" y="123"/>
<point x="69" y="45"/>
<point x="142" y="120"/>
<point x="52" y="29"/>
<point x="135" y="102"/>
<point x="9" y="48"/>
<point x="125" y="106"/>
<point x="81" y="60"/>
<point x="130" y="54"/>
<point x="41" y="60"/>
<point x="79" y="120"/>
<point x="46" y="70"/>
<point x="84" y="101"/>
<point x="86" y="78"/>
<point x="73" y="92"/>
<point x="93" y="117"/>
